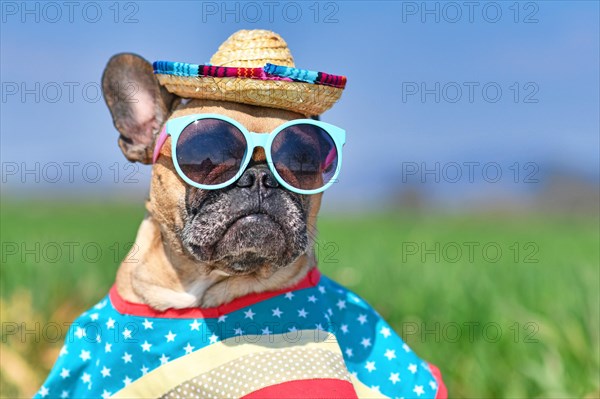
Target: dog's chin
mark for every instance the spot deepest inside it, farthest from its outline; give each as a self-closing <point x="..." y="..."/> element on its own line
<point x="252" y="244"/>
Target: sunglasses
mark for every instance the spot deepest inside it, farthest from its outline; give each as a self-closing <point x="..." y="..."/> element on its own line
<point x="211" y="151"/>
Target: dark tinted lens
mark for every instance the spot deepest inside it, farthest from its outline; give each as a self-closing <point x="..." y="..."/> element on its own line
<point x="305" y="156"/>
<point x="210" y="151"/>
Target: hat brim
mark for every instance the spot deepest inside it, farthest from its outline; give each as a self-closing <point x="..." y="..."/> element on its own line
<point x="302" y="91"/>
<point x="304" y="98"/>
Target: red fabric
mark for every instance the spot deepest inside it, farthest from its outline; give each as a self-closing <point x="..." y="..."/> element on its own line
<point x="137" y="309"/>
<point x="314" y="388"/>
<point x="442" y="392"/>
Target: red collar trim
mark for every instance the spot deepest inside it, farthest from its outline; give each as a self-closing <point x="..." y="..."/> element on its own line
<point x="138" y="309"/>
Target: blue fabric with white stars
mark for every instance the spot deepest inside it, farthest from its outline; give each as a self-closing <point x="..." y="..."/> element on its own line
<point x="105" y="351"/>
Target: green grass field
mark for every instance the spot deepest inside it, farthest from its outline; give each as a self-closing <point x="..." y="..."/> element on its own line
<point x="523" y="322"/>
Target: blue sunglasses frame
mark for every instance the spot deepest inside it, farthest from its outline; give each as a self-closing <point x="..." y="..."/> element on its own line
<point x="175" y="126"/>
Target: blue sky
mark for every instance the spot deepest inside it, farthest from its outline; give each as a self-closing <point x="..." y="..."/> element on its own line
<point x="547" y="53"/>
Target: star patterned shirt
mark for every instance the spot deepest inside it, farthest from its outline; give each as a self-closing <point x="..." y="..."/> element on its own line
<point x="315" y="339"/>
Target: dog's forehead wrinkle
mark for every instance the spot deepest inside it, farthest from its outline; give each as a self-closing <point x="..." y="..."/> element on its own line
<point x="253" y="118"/>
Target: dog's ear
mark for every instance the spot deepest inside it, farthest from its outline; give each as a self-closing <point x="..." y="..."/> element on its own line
<point x="138" y="104"/>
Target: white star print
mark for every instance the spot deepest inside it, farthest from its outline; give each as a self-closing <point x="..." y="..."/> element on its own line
<point x="110" y="324"/>
<point x="341" y="304"/>
<point x="170" y="336"/>
<point x="213" y="338"/>
<point x="349" y="352"/>
<point x="65" y="373"/>
<point x="394" y="377"/>
<point x="289" y="295"/>
<point x="105" y="372"/>
<point x="195" y="325"/>
<point x="85" y="355"/>
<point x="276" y="312"/>
<point x="312" y="299"/>
<point x="146" y="346"/>
<point x="127" y="380"/>
<point x="79" y="332"/>
<point x="321" y="289"/>
<point x="266" y="331"/>
<point x="433" y="385"/>
<point x="419" y="390"/>
<point x="100" y="305"/>
<point x="249" y="314"/>
<point x="98" y="338"/>
<point x="94" y="316"/>
<point x="107" y="347"/>
<point x="370" y="366"/>
<point x="344" y="328"/>
<point x="86" y="378"/>
<point x="385" y="332"/>
<point x="319" y="327"/>
<point x="188" y="349"/>
<point x="44" y="391"/>
<point x="292" y="329"/>
<point x="302" y="313"/>
<point x="63" y="351"/>
<point x="238" y="331"/>
<point x="362" y="319"/>
<point x="375" y="388"/>
<point x="412" y="368"/>
<point x="148" y="324"/>
<point x="221" y="319"/>
<point x="366" y="342"/>
<point x="64" y="394"/>
<point x="164" y="359"/>
<point x="126" y="333"/>
<point x="144" y="370"/>
<point x="106" y="394"/>
<point x="126" y="357"/>
<point x="390" y="354"/>
<point x="406" y="348"/>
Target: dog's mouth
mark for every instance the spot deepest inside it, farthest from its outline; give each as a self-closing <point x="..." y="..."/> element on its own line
<point x="238" y="241"/>
<point x="244" y="220"/>
<point x="249" y="244"/>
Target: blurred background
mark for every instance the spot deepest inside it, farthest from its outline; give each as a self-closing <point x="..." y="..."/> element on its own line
<point x="466" y="213"/>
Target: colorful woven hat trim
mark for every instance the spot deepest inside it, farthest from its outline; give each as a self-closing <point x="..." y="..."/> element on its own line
<point x="304" y="75"/>
<point x="268" y="72"/>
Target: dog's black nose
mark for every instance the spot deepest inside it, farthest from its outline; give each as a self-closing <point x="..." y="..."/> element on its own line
<point x="257" y="177"/>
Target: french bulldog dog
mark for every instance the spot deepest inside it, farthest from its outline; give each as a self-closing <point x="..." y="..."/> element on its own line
<point x="205" y="247"/>
<point x="225" y="298"/>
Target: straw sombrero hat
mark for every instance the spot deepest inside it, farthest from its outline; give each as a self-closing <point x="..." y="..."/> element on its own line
<point x="253" y="67"/>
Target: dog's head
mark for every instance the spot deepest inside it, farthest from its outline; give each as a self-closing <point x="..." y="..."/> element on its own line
<point x="254" y="226"/>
